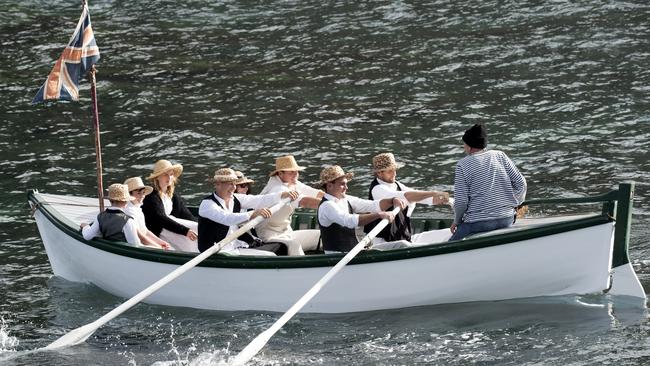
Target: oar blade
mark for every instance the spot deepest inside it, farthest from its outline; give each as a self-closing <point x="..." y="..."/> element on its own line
<point x="250" y="350"/>
<point x="73" y="337"/>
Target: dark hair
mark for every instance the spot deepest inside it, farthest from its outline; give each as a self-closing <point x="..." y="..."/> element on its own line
<point x="476" y="136"/>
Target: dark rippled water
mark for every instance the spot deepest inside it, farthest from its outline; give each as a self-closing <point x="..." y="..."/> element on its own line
<point x="563" y="87"/>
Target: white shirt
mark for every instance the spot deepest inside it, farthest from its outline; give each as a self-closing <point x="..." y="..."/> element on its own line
<point x="225" y="216"/>
<point x="389" y="190"/>
<point x="335" y="211"/>
<point x="135" y="211"/>
<point x="280" y="223"/>
<point x="130" y="231"/>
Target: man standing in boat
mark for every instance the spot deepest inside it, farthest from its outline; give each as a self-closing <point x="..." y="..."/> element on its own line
<point x="488" y="187"/>
<point x="278" y="228"/>
<point x="340" y="214"/>
<point x="113" y="223"/>
<point x="220" y="213"/>
<point x="385" y="185"/>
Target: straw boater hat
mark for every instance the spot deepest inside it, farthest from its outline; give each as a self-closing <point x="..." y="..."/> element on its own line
<point x="224" y="175"/>
<point x="163" y="166"/>
<point x="286" y="163"/>
<point x="385" y="161"/>
<point x="119" y="192"/>
<point x="241" y="179"/>
<point x="135" y="183"/>
<point x="332" y="173"/>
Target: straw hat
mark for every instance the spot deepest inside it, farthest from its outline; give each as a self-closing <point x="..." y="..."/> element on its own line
<point x="224" y="175"/>
<point x="332" y="173"/>
<point x="163" y="166"/>
<point x="286" y="163"/>
<point x="385" y="161"/>
<point x="241" y="179"/>
<point x="135" y="183"/>
<point x="119" y="192"/>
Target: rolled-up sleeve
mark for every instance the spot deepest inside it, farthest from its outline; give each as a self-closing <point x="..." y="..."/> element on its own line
<point x="91" y="231"/>
<point x="258" y="201"/>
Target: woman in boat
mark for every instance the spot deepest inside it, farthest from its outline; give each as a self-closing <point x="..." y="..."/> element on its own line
<point x="278" y="228"/>
<point x="487" y="187"/>
<point x="138" y="192"/>
<point x="164" y="210"/>
<point x="243" y="184"/>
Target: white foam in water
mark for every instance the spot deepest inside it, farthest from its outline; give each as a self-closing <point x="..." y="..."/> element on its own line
<point x="7" y="342"/>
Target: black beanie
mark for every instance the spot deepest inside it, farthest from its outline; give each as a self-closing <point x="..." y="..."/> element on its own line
<point x="476" y="136"/>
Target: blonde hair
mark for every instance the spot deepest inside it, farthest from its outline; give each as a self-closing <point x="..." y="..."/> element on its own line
<point x="170" y="187"/>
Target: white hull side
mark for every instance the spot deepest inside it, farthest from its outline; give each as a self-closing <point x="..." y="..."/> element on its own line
<point x="575" y="262"/>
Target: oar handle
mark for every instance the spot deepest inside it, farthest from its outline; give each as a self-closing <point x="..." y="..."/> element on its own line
<point x="82" y="333"/>
<point x="256" y="344"/>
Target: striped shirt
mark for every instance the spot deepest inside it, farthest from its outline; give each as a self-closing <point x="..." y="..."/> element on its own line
<point x="487" y="186"/>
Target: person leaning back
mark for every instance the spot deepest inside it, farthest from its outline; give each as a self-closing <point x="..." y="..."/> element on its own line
<point x="487" y="187"/>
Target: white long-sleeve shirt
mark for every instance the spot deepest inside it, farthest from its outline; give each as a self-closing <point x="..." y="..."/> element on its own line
<point x="130" y="230"/>
<point x="335" y="211"/>
<point x="225" y="216"/>
<point x="389" y="190"/>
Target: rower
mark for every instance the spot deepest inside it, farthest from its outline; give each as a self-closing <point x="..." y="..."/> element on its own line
<point x="340" y="214"/>
<point x="385" y="185"/>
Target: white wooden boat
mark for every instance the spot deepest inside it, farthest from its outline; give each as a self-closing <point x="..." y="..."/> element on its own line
<point x="579" y="254"/>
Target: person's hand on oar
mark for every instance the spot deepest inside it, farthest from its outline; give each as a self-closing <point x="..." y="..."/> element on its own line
<point x="293" y="195"/>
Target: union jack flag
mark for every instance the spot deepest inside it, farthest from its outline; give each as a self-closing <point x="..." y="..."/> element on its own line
<point x="77" y="58"/>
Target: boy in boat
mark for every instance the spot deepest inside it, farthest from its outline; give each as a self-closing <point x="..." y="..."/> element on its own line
<point x="278" y="228"/>
<point x="340" y="214"/>
<point x="133" y="208"/>
<point x="487" y="187"/>
<point x="113" y="223"/>
<point x="220" y="214"/>
<point x="385" y="185"/>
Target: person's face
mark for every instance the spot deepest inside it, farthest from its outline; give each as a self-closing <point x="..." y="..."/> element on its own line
<point x="290" y="177"/>
<point x="337" y="188"/>
<point x="166" y="179"/>
<point x="225" y="189"/>
<point x="242" y="188"/>
<point x="387" y="175"/>
<point x="138" y="194"/>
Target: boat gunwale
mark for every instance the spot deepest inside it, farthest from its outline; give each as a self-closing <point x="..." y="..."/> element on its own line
<point x="328" y="260"/>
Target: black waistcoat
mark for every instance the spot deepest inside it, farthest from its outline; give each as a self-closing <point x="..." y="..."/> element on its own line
<point x="111" y="223"/>
<point x="400" y="229"/>
<point x="211" y="232"/>
<point x="337" y="237"/>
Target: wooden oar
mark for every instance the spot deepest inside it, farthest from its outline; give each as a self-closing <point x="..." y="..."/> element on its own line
<point x="82" y="333"/>
<point x="256" y="345"/>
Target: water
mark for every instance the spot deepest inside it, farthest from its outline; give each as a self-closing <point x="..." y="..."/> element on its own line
<point x="563" y="87"/>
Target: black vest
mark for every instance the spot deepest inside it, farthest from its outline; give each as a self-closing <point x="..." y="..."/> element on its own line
<point x="111" y="223"/>
<point x="399" y="229"/>
<point x="336" y="237"/>
<point x="211" y="232"/>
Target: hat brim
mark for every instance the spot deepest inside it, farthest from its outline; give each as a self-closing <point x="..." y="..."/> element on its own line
<point x="295" y="169"/>
<point x="347" y="175"/>
<point x="147" y="190"/>
<point x="244" y="181"/>
<point x="395" y="166"/>
<point x="177" y="168"/>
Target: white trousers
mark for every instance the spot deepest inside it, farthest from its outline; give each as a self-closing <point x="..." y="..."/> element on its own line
<point x="181" y="242"/>
<point x="423" y="238"/>
<point x="297" y="241"/>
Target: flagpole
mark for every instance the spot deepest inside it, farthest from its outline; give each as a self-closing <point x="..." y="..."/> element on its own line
<point x="98" y="146"/>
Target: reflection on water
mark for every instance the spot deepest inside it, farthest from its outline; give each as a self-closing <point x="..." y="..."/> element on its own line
<point x="562" y="87"/>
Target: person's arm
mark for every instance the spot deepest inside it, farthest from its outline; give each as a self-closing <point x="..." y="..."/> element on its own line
<point x="131" y="232"/>
<point x="212" y="211"/>
<point x="461" y="195"/>
<point x="365" y="219"/>
<point x="516" y="178"/>
<point x="90" y="231"/>
<point x="156" y="240"/>
<point x="329" y="213"/>
<point x="427" y="197"/>
<point x="309" y="202"/>
<point x="154" y="211"/>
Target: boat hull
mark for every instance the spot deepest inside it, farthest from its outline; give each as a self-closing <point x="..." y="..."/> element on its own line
<point x="569" y="262"/>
